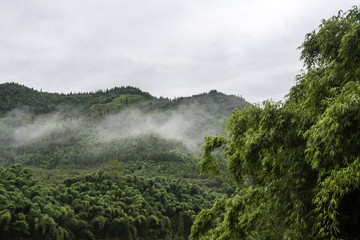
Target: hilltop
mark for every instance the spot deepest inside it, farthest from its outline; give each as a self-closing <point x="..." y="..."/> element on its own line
<point x="13" y="95"/>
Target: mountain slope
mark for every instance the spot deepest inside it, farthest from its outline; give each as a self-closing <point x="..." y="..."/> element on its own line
<point x="53" y="130"/>
<point x="13" y="95"/>
<point x="99" y="103"/>
<point x="141" y="146"/>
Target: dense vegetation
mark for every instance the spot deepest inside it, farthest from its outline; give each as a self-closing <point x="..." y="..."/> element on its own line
<point x="296" y="164"/>
<point x="93" y="128"/>
<point x="114" y="164"/>
<point x="98" y="206"/>
<point x="13" y="95"/>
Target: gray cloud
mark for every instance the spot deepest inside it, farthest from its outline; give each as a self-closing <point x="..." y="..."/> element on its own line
<point x="166" y="47"/>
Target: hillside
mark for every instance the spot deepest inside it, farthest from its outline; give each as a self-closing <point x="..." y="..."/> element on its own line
<point x="13" y="95"/>
<point x="107" y="146"/>
<point x="50" y="130"/>
<point x="199" y="115"/>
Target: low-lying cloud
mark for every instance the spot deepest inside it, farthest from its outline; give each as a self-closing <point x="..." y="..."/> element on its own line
<point x="182" y="124"/>
<point x="186" y="124"/>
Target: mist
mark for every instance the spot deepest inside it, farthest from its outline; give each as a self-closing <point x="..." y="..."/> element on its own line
<point x="83" y="139"/>
<point x="38" y="129"/>
<point x="184" y="124"/>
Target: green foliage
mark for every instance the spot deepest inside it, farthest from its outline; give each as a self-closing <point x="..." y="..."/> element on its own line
<point x="96" y="206"/>
<point x="296" y="164"/>
<point x="100" y="103"/>
<point x="122" y="102"/>
<point x="71" y="131"/>
<point x="14" y="95"/>
<point x="115" y="168"/>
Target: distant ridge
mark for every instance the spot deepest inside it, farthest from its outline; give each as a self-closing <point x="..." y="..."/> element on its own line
<point x="14" y="95"/>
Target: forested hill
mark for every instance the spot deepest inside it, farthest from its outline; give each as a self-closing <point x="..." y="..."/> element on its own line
<point x="13" y="95"/>
<point x="89" y="129"/>
<point x="141" y="154"/>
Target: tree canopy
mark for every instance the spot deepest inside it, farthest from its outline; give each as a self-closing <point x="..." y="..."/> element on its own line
<point x="296" y="164"/>
<point x="98" y="206"/>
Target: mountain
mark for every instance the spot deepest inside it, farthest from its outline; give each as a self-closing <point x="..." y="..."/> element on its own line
<point x="13" y="95"/>
<point x="51" y="130"/>
<point x="116" y="163"/>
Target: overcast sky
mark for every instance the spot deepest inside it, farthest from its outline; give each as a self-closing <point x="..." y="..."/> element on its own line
<point x="169" y="48"/>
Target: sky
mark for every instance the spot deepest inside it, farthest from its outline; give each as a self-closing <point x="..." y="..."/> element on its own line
<point x="169" y="48"/>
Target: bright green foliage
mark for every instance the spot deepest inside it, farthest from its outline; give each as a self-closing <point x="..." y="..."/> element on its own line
<point x="25" y="209"/>
<point x="97" y="206"/>
<point x="296" y="164"/>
